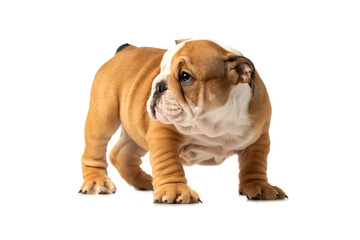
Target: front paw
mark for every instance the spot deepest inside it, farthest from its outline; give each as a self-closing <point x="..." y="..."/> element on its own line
<point x="175" y="193"/>
<point x="260" y="190"/>
<point x="98" y="184"/>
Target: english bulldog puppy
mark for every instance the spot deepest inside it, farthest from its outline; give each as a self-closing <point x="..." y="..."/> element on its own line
<point x="197" y="103"/>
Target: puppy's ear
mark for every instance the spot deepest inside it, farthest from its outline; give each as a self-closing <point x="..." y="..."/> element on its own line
<point x="240" y="69"/>
<point x="181" y="40"/>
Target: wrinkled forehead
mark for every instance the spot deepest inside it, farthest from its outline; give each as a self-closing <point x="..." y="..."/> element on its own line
<point x="194" y="48"/>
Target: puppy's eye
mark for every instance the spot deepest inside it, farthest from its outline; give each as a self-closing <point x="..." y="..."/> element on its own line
<point x="185" y="78"/>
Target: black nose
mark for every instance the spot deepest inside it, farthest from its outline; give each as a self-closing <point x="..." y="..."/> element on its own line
<point x="161" y="87"/>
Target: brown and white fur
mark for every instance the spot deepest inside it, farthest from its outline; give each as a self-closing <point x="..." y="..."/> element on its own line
<point x="224" y="110"/>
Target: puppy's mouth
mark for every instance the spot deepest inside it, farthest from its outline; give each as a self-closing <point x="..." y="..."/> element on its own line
<point x="165" y="112"/>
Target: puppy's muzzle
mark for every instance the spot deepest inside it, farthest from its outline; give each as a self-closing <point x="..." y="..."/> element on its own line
<point x="160" y="88"/>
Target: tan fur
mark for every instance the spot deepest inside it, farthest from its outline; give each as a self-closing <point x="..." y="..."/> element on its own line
<point x="119" y="94"/>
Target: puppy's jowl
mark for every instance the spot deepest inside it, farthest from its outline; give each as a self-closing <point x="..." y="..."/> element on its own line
<point x="197" y="103"/>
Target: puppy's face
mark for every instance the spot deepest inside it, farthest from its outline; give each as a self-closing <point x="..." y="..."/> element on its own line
<point x="196" y="77"/>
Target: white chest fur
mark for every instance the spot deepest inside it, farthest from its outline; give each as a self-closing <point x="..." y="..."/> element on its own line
<point x="221" y="132"/>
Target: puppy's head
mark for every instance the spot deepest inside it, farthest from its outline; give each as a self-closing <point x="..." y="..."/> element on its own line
<point x="197" y="77"/>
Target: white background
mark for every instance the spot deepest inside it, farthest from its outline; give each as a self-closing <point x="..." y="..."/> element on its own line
<point x="308" y="56"/>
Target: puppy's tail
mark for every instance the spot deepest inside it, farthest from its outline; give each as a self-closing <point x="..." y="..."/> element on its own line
<point x="122" y="47"/>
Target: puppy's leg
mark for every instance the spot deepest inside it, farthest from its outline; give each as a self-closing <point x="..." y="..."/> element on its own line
<point x="170" y="184"/>
<point x="102" y="122"/>
<point x="253" y="179"/>
<point x="126" y="157"/>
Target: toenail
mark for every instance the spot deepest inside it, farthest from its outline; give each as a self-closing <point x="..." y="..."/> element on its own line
<point x="257" y="197"/>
